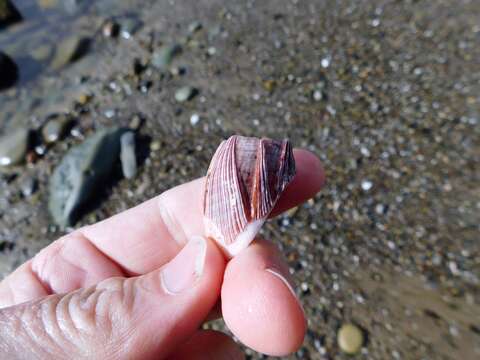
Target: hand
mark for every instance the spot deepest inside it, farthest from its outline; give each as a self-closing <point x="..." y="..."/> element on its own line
<point x="132" y="287"/>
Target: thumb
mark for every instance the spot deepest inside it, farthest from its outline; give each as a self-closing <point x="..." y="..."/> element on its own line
<point x="136" y="318"/>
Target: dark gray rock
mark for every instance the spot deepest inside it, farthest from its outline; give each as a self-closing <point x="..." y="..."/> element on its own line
<point x="83" y="171"/>
<point x="70" y="50"/>
<point x="8" y="71"/>
<point x="163" y="57"/>
<point x="8" y="14"/>
<point x="127" y="155"/>
<point x="13" y="147"/>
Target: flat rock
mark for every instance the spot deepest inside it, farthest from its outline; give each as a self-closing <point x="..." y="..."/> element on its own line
<point x="13" y="147"/>
<point x="83" y="171"/>
<point x="8" y="71"/>
<point x="8" y="14"/>
<point x="70" y="50"/>
<point x="127" y="155"/>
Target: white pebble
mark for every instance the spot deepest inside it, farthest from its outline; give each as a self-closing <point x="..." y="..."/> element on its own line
<point x="194" y="119"/>
<point x="379" y="209"/>
<point x="365" y="152"/>
<point x="366" y="185"/>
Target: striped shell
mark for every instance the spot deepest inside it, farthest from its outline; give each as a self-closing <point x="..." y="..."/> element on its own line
<point x="244" y="181"/>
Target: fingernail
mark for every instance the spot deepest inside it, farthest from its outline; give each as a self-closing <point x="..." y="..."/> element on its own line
<point x="181" y="273"/>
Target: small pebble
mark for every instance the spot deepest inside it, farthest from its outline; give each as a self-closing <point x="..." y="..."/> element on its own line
<point x="269" y="85"/>
<point x="110" y="29"/>
<point x="110" y="113"/>
<point x="194" y="27"/>
<point x="185" y="93"/>
<point x="136" y="122"/>
<point x="55" y="128"/>
<point x="366" y="185"/>
<point x="194" y="119"/>
<point x="155" y="145"/>
<point x="129" y="25"/>
<point x="127" y="155"/>
<point x="163" y="57"/>
<point x="29" y="186"/>
<point x="84" y="98"/>
<point x="350" y="338"/>
<point x="178" y="70"/>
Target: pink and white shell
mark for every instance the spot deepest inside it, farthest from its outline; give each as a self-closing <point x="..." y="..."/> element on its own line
<point x="244" y="181"/>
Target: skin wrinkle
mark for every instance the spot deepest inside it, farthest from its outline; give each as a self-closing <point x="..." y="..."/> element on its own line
<point x="78" y="317"/>
<point x="121" y="332"/>
<point x="85" y="321"/>
<point x="38" y="265"/>
<point x="86" y="318"/>
<point x="102" y="309"/>
<point x="124" y="272"/>
<point x="46" y="287"/>
<point x="30" y="330"/>
<point x="68" y="321"/>
<point x="10" y="328"/>
<point x="54" y="324"/>
<point x="81" y="233"/>
<point x="97" y="320"/>
<point x="49" y="319"/>
<point x="112" y="295"/>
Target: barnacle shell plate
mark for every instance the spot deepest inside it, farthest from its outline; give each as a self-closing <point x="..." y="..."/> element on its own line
<point x="244" y="181"/>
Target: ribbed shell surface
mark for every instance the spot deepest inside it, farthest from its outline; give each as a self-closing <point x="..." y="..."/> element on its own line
<point x="244" y="181"/>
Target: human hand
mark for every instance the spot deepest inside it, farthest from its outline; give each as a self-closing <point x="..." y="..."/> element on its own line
<point x="132" y="287"/>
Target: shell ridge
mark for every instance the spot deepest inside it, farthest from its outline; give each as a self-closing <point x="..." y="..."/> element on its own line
<point x="234" y="223"/>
